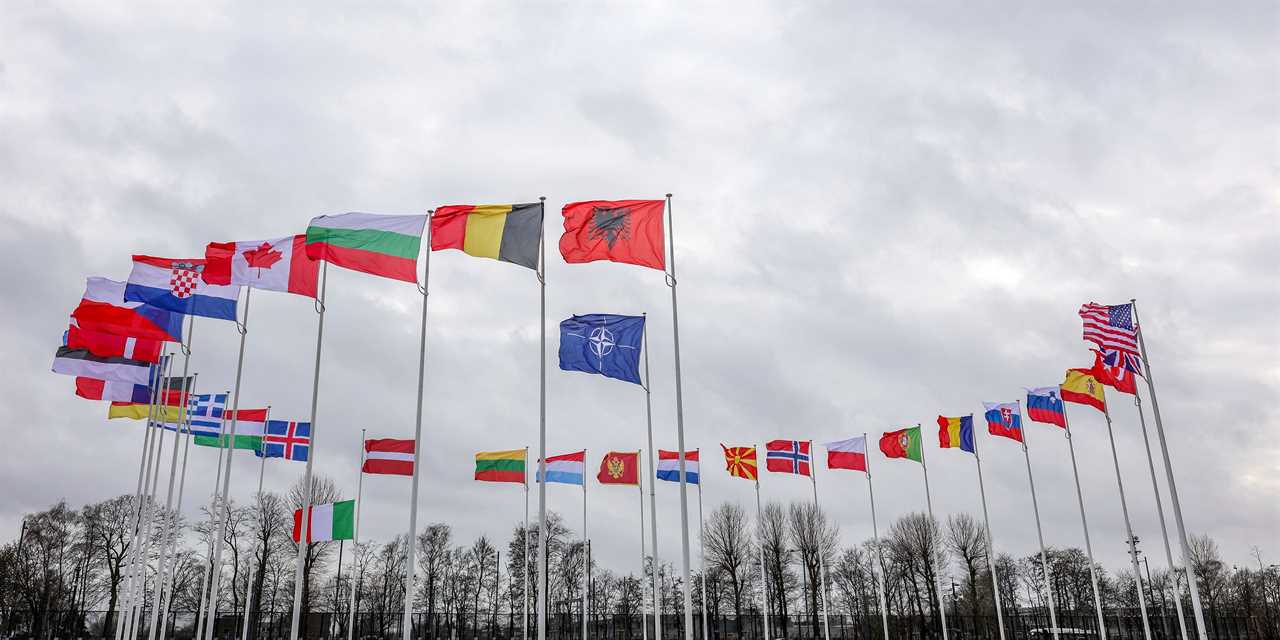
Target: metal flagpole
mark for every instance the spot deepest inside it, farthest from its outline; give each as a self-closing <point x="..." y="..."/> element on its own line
<point x="875" y="536"/>
<point x="1164" y="530"/>
<point x="542" y="426"/>
<point x="991" y="545"/>
<point x="355" y="536"/>
<point x="163" y="562"/>
<point x="409" y="567"/>
<point x="213" y="506"/>
<point x="586" y="561"/>
<point x="764" y="575"/>
<point x="1196" y="607"/>
<point x="153" y="388"/>
<point x="942" y="609"/>
<point x="644" y="626"/>
<point x="1044" y="557"/>
<point x="684" y="492"/>
<point x="143" y="504"/>
<point x="305" y="523"/>
<point x="182" y="485"/>
<point x="248" y="590"/>
<point x="1133" y="550"/>
<point x="243" y="328"/>
<point x="1084" y="524"/>
<point x="653" y="499"/>
<point x="822" y="563"/>
<point x="702" y="557"/>
<point x="138" y="592"/>
<point x="525" y="623"/>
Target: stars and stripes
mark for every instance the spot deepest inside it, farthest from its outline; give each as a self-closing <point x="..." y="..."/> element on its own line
<point x="1110" y="327"/>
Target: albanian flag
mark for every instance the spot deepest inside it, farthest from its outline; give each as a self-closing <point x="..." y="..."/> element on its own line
<point x="627" y="231"/>
<point x="620" y="467"/>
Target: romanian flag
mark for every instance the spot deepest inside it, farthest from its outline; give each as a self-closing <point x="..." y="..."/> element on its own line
<point x="956" y="433"/>
<point x="740" y="461"/>
<point x="501" y="466"/>
<point x="506" y="232"/>
<point x="1082" y="388"/>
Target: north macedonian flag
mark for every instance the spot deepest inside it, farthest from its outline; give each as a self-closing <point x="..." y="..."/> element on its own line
<point x="740" y="462"/>
<point x="903" y="443"/>
<point x="620" y="467"/>
<point x="627" y="231"/>
<point x="501" y="466"/>
<point x="506" y="232"/>
<point x="376" y="244"/>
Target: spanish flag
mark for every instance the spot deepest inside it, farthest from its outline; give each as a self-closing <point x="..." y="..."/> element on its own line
<point x="1082" y="388"/>
<point x="956" y="433"/>
<point x="506" y="232"/>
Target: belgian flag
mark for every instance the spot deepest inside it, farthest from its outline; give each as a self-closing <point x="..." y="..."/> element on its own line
<point x="506" y="232"/>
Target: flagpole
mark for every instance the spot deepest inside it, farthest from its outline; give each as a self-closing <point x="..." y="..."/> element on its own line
<point x="942" y="609"/>
<point x="305" y="521"/>
<point x="1044" y="556"/>
<point x="409" y="567"/>
<point x="586" y="561"/>
<point x="684" y="493"/>
<point x="1084" y="524"/>
<point x="542" y="426"/>
<point x="822" y="562"/>
<point x="1164" y="530"/>
<point x="355" y="535"/>
<point x="875" y="536"/>
<point x="644" y="627"/>
<point x="702" y="555"/>
<point x="248" y="590"/>
<point x="764" y="575"/>
<point x="991" y="545"/>
<point x="1196" y="607"/>
<point x="1133" y="550"/>
<point x="525" y="624"/>
<point x="154" y="388"/>
<point x="653" y="499"/>
<point x="137" y="594"/>
<point x="182" y="485"/>
<point x="141" y="513"/>
<point x="213" y="505"/>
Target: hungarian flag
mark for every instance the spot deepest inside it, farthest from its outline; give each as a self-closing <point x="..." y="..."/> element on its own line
<point x="330" y="521"/>
<point x="109" y="344"/>
<point x="787" y="456"/>
<point x="388" y="456"/>
<point x="379" y="245"/>
<point x="740" y="462"/>
<point x="847" y="454"/>
<point x="903" y="443"/>
<point x="175" y="284"/>
<point x="281" y="264"/>
<point x="251" y="426"/>
<point x="506" y="232"/>
<point x="627" y="231"/>
<point x="1004" y="419"/>
<point x="1082" y="388"/>
<point x="103" y="309"/>
<point x="620" y="467"/>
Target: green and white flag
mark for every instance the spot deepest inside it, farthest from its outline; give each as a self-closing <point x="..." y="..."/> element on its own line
<point x="251" y="426"/>
<point x="331" y="521"/>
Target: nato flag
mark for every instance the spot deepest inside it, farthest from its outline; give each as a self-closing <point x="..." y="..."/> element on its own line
<point x="603" y="343"/>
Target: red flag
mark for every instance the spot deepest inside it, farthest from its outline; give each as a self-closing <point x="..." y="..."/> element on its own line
<point x="1117" y="376"/>
<point x="787" y="456"/>
<point x="627" y="231"/>
<point x="620" y="467"/>
<point x="110" y="345"/>
<point x="388" y="456"/>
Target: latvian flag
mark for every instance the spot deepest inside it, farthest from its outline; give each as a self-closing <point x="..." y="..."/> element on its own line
<point x="669" y="466"/>
<point x="388" y="456"/>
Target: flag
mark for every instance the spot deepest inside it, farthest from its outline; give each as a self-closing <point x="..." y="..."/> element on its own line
<point x="740" y="462"/>
<point x="847" y="454"/>
<point x="104" y="310"/>
<point x="286" y="439"/>
<point x="787" y="456"/>
<point x="1117" y="369"/>
<point x="669" y="466"/>
<point x="506" y="232"/>
<point x="176" y="285"/>
<point x="250" y="428"/>
<point x="566" y="469"/>
<point x="379" y="245"/>
<point x="281" y="264"/>
<point x="956" y="433"/>
<point x="602" y="343"/>
<point x="388" y="456"/>
<point x="1004" y="419"/>
<point x="501" y="466"/>
<point x="620" y="467"/>
<point x="1082" y="388"/>
<point x="1110" y="326"/>
<point x="94" y="389"/>
<point x="206" y="414"/>
<point x="81" y="363"/>
<point x="111" y="345"/>
<point x="170" y="403"/>
<point x="903" y="443"/>
<point x="627" y="231"/>
<point x="329" y="521"/>
<point x="1044" y="405"/>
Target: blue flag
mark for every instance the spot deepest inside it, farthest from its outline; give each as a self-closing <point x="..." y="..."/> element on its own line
<point x="603" y="343"/>
<point x="286" y="439"/>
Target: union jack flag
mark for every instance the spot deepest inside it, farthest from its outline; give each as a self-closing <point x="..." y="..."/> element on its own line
<point x="1118" y="369"/>
<point x="1111" y="327"/>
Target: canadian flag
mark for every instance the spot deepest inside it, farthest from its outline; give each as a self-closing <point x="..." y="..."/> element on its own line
<point x="388" y="456"/>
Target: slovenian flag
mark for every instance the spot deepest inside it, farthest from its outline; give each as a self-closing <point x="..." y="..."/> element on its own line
<point x="1045" y="405"/>
<point x="566" y="469"/>
<point x="176" y="285"/>
<point x="669" y="466"/>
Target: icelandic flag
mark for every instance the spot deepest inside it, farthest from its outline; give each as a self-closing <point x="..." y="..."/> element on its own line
<point x="603" y="343"/>
<point x="566" y="469"/>
<point x="176" y="285"/>
<point x="1004" y="419"/>
<point x="669" y="466"/>
<point x="285" y="439"/>
<point x="206" y="414"/>
<point x="1044" y="404"/>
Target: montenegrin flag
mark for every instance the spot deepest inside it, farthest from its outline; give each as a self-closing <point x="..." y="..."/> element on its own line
<point x="847" y="454"/>
<point x="330" y="521"/>
<point x="251" y="426"/>
<point x="379" y="245"/>
<point x="176" y="285"/>
<point x="1081" y="387"/>
<point x="620" y="467"/>
<point x="627" y="231"/>
<point x="281" y="264"/>
<point x="506" y="232"/>
<point x="103" y="309"/>
<point x="388" y="456"/>
<point x="566" y="469"/>
<point x="501" y="466"/>
<point x="669" y="466"/>
<point x="956" y="433"/>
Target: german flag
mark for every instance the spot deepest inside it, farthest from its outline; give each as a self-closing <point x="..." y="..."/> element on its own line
<point x="506" y="232"/>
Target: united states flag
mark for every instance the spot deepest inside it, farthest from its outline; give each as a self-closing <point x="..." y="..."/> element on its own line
<point x="1110" y="327"/>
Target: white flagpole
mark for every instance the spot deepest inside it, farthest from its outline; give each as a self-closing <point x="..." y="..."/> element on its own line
<point x="1044" y="557"/>
<point x="586" y="560"/>
<point x="644" y="627"/>
<point x="213" y="505"/>
<point x="684" y="490"/>
<point x="764" y="575"/>
<point x="702" y="554"/>
<point x="542" y="428"/>
<point x="248" y="590"/>
<point x="355" y="535"/>
<point x="525" y="621"/>
<point x="1164" y="530"/>
<point x="300" y="563"/>
<point x="875" y="536"/>
<point x="991" y="545"/>
<point x="216" y="584"/>
<point x="409" y="567"/>
<point x="822" y="563"/>
<point x="1084" y="524"/>
<point x="653" y="499"/>
<point x="143" y="517"/>
<point x="942" y="609"/>
<point x="138" y="593"/>
<point x="182" y="485"/>
<point x="1196" y="608"/>
<point x="1133" y="550"/>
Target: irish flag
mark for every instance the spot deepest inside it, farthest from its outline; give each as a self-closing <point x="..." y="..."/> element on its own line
<point x="251" y="426"/>
<point x="380" y="245"/>
<point x="331" y="521"/>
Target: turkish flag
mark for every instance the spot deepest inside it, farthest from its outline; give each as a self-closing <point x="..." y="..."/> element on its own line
<point x="620" y="467"/>
<point x="627" y="231"/>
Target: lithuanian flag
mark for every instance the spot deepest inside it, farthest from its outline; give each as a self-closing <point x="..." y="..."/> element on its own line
<point x="506" y="232"/>
<point x="501" y="466"/>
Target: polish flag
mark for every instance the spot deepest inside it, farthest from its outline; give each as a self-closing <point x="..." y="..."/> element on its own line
<point x="847" y="454"/>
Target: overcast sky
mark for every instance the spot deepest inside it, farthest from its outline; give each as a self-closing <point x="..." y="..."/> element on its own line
<point x="881" y="214"/>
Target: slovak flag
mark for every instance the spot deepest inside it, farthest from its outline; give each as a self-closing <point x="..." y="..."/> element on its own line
<point x="1004" y="419"/>
<point x="787" y="456"/>
<point x="1044" y="404"/>
<point x="669" y="466"/>
<point x="176" y="285"/>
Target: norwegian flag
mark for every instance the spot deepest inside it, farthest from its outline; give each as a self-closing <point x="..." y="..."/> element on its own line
<point x="787" y="456"/>
<point x="1111" y="327"/>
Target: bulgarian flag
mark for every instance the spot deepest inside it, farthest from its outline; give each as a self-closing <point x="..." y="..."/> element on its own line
<point x="251" y="426"/>
<point x="380" y="245"/>
<point x="330" y="521"/>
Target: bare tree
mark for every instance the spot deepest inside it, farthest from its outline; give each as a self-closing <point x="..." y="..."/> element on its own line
<point x="814" y="537"/>
<point x="773" y="530"/>
<point x="728" y="543"/>
<point x="967" y="539"/>
<point x="434" y="544"/>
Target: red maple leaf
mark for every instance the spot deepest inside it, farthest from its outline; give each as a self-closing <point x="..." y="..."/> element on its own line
<point x="262" y="257"/>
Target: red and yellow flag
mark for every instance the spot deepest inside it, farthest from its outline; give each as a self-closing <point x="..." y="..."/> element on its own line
<point x="1081" y="387"/>
<point x="740" y="461"/>
<point x="620" y="467"/>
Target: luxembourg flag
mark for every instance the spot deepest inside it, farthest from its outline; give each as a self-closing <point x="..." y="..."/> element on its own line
<point x="669" y="466"/>
<point x="176" y="285"/>
<point x="566" y="469"/>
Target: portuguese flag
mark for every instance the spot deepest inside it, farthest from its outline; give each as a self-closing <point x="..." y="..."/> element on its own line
<point x="501" y="466"/>
<point x="903" y="443"/>
<point x="506" y="232"/>
<point x="380" y="245"/>
<point x="331" y="521"/>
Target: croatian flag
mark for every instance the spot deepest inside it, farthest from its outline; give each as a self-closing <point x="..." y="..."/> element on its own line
<point x="566" y="469"/>
<point x="176" y="285"/>
<point x="669" y="466"/>
<point x="285" y="439"/>
<point x="1044" y="404"/>
<point x="787" y="456"/>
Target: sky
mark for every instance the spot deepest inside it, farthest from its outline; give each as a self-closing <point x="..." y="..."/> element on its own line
<point x="881" y="212"/>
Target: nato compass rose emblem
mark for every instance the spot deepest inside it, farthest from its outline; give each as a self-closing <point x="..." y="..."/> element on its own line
<point x="610" y="224"/>
<point x="601" y="341"/>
